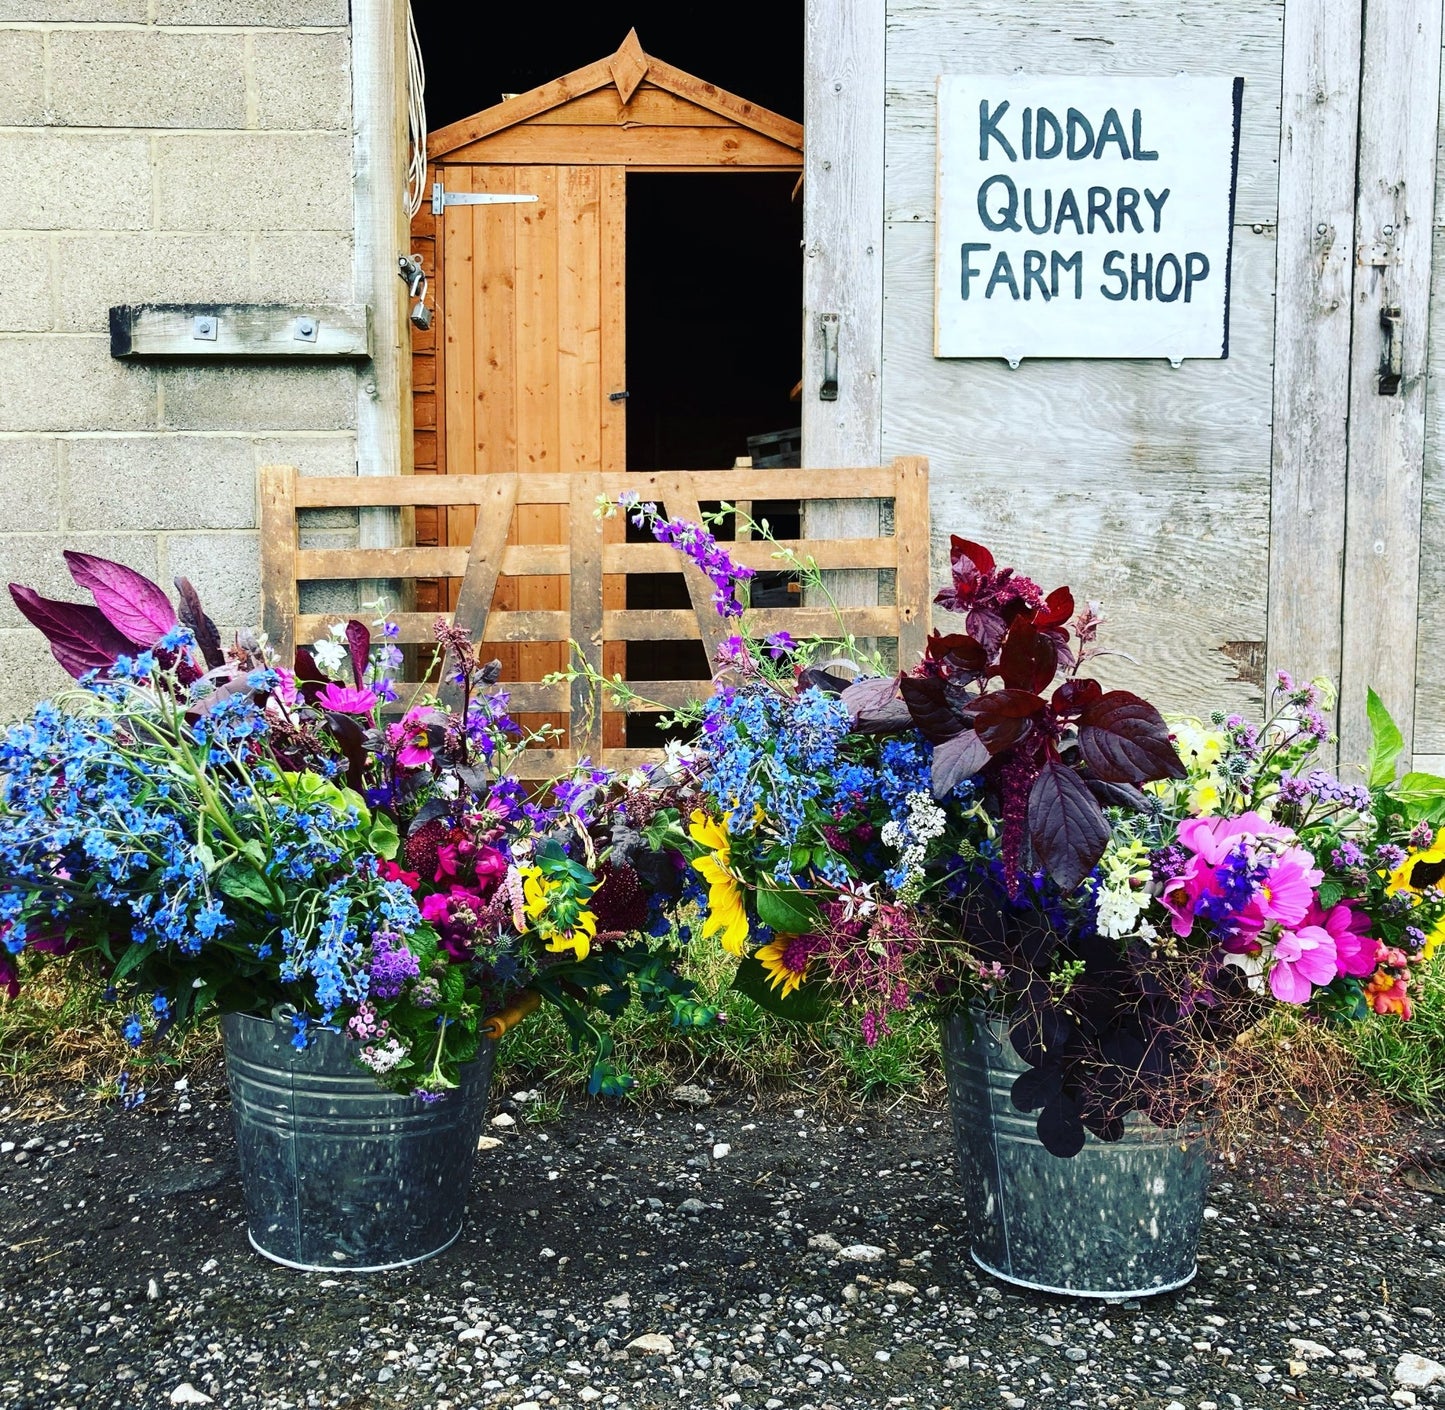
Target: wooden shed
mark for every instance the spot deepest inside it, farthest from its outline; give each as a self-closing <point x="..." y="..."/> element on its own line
<point x="524" y="239"/>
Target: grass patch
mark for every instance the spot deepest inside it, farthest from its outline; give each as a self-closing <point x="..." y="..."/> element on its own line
<point x="1407" y="1060"/>
<point x="752" y="1052"/>
<point x="59" y="1034"/>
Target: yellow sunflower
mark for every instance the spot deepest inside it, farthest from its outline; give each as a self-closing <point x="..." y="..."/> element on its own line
<point x="1422" y="870"/>
<point x="727" y="917"/>
<point x="774" y="958"/>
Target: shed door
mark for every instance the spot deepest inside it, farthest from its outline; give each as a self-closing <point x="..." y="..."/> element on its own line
<point x="533" y="347"/>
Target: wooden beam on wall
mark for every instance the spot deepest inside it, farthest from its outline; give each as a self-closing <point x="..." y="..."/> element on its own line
<point x="379" y="136"/>
<point x="1394" y="207"/>
<point x="843" y="262"/>
<point x="1315" y="262"/>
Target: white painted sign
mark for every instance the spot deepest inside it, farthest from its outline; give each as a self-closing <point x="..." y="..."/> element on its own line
<point x="1085" y="217"/>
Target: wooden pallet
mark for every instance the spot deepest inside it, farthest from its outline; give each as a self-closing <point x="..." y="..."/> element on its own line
<point x="584" y="559"/>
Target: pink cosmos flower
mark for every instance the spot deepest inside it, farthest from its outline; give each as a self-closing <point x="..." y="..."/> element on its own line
<point x="1303" y="958"/>
<point x="408" y="737"/>
<point x="1211" y="840"/>
<point x="1286" y="894"/>
<point x="1356" y="950"/>
<point x="347" y="699"/>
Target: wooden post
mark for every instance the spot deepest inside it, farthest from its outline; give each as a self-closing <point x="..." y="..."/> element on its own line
<point x="843" y="263"/>
<point x="383" y="408"/>
<point x="1315" y="262"/>
<point x="1399" y="100"/>
<point x="279" y="596"/>
<point x="584" y="738"/>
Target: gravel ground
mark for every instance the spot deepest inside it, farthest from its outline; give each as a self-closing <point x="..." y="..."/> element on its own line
<point x="718" y="1256"/>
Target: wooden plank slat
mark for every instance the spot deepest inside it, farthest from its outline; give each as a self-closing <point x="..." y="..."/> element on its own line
<point x="1315" y="269"/>
<point x="1394" y="204"/>
<point x="587" y="616"/>
<point x="280" y="601"/>
<point x="672" y="147"/>
<point x="911" y="541"/>
<point x="494" y="522"/>
<point x="458" y="331"/>
<point x="334" y="564"/>
<point x="649" y="106"/>
<point x="759" y="554"/>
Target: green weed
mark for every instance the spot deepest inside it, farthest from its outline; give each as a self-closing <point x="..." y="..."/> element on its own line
<point x="1407" y="1060"/>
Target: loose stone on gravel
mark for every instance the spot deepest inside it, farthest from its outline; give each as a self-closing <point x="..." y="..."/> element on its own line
<point x="1418" y="1372"/>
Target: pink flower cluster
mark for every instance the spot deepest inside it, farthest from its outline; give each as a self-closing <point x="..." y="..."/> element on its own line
<point x="1254" y="883"/>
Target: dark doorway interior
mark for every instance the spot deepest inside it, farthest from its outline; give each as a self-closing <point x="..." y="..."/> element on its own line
<point x="714" y="300"/>
<point x="475" y="53"/>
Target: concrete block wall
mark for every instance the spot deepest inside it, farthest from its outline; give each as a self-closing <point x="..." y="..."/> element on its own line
<point x="177" y="151"/>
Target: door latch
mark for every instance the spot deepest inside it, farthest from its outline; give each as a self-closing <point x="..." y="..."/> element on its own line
<point x="618" y="396"/>
<point x="1392" y="360"/>
<point x="829" y="389"/>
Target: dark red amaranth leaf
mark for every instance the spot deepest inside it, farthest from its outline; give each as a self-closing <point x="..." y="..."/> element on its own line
<point x="1029" y="660"/>
<point x="1003" y="717"/>
<point x="1067" y="827"/>
<point x="963" y="552"/>
<point x="1061" y="1129"/>
<point x="358" y="643"/>
<point x="876" y="706"/>
<point x="1124" y="740"/>
<point x="208" y="639"/>
<point x="82" y="638"/>
<point x="927" y="701"/>
<point x="1057" y="609"/>
<point x="812" y="678"/>
<point x="135" y="606"/>
<point x="956" y="759"/>
<point x="1073" y="696"/>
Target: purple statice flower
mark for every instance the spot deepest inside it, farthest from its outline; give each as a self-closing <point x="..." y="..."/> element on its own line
<point x="1389" y="856"/>
<point x="392" y="964"/>
<point x="1293" y="789"/>
<point x="1347" y="856"/>
<point x="1168" y="862"/>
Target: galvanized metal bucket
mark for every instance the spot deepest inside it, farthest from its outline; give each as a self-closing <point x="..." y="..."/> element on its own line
<point x="1120" y="1219"/>
<point x="337" y="1172"/>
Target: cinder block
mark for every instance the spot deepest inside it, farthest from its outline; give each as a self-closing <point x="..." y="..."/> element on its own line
<point x="288" y="266"/>
<point x="328" y="528"/>
<point x="28" y="673"/>
<point x="106" y="11"/>
<point x="96" y="271"/>
<point x="24" y="283"/>
<point x="303" y="81"/>
<point x="30" y="483"/>
<point x="341" y="598"/>
<point x="279" y="14"/>
<point x="58" y="180"/>
<point x="311" y="455"/>
<point x="35" y="561"/>
<point x="147" y="78"/>
<point x="254" y="181"/>
<point x="215" y="398"/>
<point x="22" y="61"/>
<point x="226" y="572"/>
<point x="54" y="383"/>
<point x="161" y="482"/>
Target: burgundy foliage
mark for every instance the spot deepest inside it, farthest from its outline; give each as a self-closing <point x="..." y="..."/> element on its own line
<point x="1054" y="756"/>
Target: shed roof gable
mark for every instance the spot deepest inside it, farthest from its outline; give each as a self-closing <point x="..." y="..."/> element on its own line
<point x="668" y="95"/>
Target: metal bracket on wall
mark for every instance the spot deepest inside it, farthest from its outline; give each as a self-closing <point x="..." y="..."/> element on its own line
<point x="441" y="198"/>
<point x="828" y="322"/>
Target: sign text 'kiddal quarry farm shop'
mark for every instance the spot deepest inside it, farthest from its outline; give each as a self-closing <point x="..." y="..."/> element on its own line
<point x="1085" y="217"/>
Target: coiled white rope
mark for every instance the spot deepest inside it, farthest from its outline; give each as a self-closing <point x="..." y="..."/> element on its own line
<point x="415" y="118"/>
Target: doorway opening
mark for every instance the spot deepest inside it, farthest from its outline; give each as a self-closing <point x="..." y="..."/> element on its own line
<point x="714" y="293"/>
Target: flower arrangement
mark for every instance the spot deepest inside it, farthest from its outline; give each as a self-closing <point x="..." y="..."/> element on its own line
<point x="994" y="830"/>
<point x="215" y="832"/>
